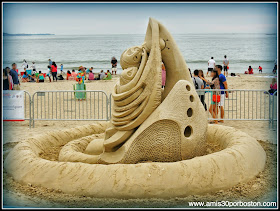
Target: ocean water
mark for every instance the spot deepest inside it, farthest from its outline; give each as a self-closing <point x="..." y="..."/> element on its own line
<point x="96" y="50"/>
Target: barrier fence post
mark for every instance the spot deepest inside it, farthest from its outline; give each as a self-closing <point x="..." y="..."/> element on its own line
<point x="273" y="96"/>
<point x="110" y="105"/>
<point x="33" y="119"/>
<point x="30" y="116"/>
<point x="57" y="105"/>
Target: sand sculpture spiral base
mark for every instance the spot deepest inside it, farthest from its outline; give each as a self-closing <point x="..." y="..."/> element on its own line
<point x="240" y="159"/>
<point x="155" y="144"/>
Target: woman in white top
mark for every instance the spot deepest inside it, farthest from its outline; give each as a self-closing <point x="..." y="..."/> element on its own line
<point x="24" y="64"/>
<point x="211" y="65"/>
<point x="33" y="67"/>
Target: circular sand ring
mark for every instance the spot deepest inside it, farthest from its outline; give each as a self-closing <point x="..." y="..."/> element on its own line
<point x="240" y="160"/>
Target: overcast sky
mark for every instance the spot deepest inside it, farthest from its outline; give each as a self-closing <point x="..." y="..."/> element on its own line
<point x="132" y="18"/>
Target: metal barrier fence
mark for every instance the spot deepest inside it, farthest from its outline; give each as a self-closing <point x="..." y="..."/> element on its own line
<point x="273" y="111"/>
<point x="27" y="107"/>
<point x="64" y="105"/>
<point x="241" y="105"/>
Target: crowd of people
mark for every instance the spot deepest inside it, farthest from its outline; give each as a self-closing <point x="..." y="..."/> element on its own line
<point x="88" y="74"/>
<point x="218" y="83"/>
<point x="212" y="65"/>
<point x="12" y="77"/>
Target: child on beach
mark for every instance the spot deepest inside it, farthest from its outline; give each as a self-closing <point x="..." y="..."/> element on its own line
<point x="49" y="73"/>
<point x="260" y="69"/>
<point x="61" y="68"/>
<point x="68" y="75"/>
<point x="40" y="77"/>
<point x="108" y="75"/>
<point x="90" y="75"/>
<point x="74" y="74"/>
<point x="250" y="70"/>
<point x="25" y="77"/>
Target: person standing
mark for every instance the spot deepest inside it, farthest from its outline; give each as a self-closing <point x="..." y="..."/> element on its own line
<point x="6" y="81"/>
<point x="83" y="72"/>
<point x="226" y="63"/>
<point x="215" y="84"/>
<point x="33" y="67"/>
<point x="50" y="62"/>
<point x="199" y="86"/>
<point x="14" y="75"/>
<point x="260" y="69"/>
<point x="24" y="64"/>
<point x="61" y="68"/>
<point x="54" y="71"/>
<point x="211" y="65"/>
<point x="205" y="86"/>
<point x="114" y="63"/>
<point x="223" y="85"/>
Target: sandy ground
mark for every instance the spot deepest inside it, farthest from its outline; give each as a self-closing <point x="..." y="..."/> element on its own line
<point x="262" y="188"/>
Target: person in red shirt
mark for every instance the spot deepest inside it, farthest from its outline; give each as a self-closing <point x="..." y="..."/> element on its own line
<point x="54" y="71"/>
<point x="250" y="70"/>
<point x="68" y="74"/>
<point x="260" y="69"/>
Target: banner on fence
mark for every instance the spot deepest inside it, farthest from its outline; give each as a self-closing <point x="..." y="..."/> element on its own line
<point x="13" y="105"/>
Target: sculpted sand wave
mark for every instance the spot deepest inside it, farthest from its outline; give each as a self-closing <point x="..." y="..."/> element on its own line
<point x="236" y="162"/>
<point x="155" y="144"/>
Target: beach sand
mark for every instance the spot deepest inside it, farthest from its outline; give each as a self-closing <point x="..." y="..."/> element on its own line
<point x="262" y="188"/>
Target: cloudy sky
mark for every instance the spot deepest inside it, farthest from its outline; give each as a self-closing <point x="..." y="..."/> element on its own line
<point x="132" y="18"/>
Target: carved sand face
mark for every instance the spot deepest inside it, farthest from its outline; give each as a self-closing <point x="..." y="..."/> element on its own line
<point x="127" y="75"/>
<point x="131" y="57"/>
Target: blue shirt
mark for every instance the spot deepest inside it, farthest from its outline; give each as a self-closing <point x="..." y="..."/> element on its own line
<point x="14" y="75"/>
<point x="222" y="79"/>
<point x="61" y="67"/>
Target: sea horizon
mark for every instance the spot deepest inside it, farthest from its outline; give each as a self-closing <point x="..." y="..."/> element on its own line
<point x="96" y="50"/>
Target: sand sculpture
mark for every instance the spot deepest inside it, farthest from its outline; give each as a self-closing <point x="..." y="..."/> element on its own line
<point x="155" y="144"/>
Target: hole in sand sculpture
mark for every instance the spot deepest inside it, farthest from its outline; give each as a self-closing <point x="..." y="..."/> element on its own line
<point x="189" y="112"/>
<point x="188" y="87"/>
<point x="188" y="131"/>
<point x="191" y="98"/>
